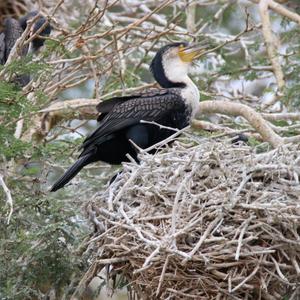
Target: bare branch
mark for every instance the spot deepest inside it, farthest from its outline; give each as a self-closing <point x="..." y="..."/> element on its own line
<point x="270" y="42"/>
<point x="9" y="199"/>
<point x="253" y="117"/>
<point x="280" y="9"/>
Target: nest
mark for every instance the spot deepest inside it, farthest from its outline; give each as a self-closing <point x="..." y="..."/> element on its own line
<point x="205" y="220"/>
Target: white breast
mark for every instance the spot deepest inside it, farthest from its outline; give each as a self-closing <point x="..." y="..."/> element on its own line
<point x="191" y="96"/>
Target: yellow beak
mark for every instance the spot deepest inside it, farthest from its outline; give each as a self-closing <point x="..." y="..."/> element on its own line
<point x="191" y="52"/>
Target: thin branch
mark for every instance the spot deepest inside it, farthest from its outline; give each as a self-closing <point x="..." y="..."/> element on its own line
<point x="9" y="199"/>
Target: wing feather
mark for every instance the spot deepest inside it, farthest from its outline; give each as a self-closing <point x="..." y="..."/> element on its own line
<point x="107" y="105"/>
<point x="2" y="48"/>
<point x="12" y="32"/>
<point x="131" y="112"/>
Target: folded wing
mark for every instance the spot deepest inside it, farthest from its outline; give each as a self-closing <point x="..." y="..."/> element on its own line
<point x="131" y="111"/>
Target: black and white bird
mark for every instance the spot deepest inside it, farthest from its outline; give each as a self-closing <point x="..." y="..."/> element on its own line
<point x="174" y="105"/>
<point x="13" y="29"/>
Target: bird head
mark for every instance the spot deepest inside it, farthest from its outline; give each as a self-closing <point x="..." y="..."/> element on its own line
<point x="37" y="42"/>
<point x="171" y="63"/>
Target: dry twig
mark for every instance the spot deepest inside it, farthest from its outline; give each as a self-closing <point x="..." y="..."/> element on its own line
<point x="9" y="199"/>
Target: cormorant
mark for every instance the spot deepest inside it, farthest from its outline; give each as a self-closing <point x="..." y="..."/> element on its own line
<point x="37" y="42"/>
<point x="13" y="29"/>
<point x="174" y="105"/>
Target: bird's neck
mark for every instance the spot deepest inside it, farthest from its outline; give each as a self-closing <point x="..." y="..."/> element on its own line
<point x="175" y="75"/>
<point x="178" y="78"/>
<point x="190" y="95"/>
<point x="166" y="78"/>
<point x="188" y="91"/>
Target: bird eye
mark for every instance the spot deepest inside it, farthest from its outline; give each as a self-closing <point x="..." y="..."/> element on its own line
<point x="181" y="47"/>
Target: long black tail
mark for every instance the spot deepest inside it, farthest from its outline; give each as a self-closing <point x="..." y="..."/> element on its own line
<point x="71" y="172"/>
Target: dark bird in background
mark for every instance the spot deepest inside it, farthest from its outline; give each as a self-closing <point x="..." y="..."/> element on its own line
<point x="37" y="42"/>
<point x="13" y="29"/>
<point x="174" y="105"/>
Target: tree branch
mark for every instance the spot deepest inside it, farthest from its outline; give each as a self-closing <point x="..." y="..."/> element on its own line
<point x="253" y="117"/>
<point x="270" y="42"/>
<point x="9" y="199"/>
<point x="280" y="9"/>
<point x="85" y="107"/>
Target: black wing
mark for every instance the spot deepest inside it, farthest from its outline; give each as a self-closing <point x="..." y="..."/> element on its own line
<point x="12" y="31"/>
<point x="106" y="106"/>
<point x="131" y="112"/>
<point x="37" y="42"/>
<point x="2" y="48"/>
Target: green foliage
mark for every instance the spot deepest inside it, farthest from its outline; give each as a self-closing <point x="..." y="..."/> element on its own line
<point x="37" y="247"/>
<point x="8" y="92"/>
<point x="36" y="250"/>
<point x="251" y="75"/>
<point x="253" y="142"/>
<point x="55" y="46"/>
<point x="12" y="104"/>
<point x="25" y="65"/>
<point x="10" y="147"/>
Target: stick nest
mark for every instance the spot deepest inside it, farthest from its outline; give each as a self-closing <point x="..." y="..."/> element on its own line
<point x="206" y="220"/>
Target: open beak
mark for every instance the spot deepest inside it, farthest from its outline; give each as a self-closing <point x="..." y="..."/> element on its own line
<point x="191" y="52"/>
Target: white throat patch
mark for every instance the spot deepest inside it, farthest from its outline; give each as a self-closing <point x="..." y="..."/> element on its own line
<point x="177" y="71"/>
